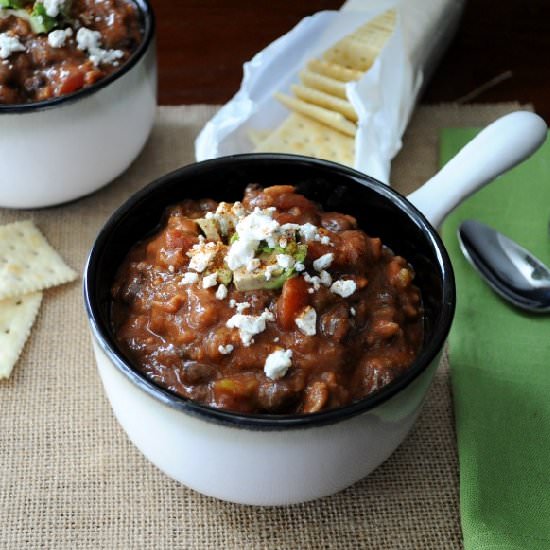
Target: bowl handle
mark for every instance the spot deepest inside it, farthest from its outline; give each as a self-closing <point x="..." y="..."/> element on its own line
<point x="496" y="149"/>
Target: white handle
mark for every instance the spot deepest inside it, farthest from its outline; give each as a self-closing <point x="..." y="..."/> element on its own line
<point x="496" y="149"/>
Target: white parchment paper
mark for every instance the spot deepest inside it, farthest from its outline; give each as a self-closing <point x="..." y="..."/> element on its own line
<point x="383" y="98"/>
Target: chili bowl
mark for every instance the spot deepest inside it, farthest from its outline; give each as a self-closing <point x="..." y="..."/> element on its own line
<point x="269" y="459"/>
<point x="58" y="150"/>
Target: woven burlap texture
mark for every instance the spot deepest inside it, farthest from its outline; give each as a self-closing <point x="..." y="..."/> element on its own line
<point x="71" y="479"/>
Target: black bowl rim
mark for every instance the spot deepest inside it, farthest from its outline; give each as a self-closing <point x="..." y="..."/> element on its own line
<point x="146" y="10"/>
<point x="265" y="421"/>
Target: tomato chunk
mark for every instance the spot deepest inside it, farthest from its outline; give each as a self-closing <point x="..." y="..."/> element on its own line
<point x="293" y="298"/>
<point x="74" y="81"/>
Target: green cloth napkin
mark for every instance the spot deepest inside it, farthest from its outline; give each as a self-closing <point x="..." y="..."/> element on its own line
<point x="500" y="368"/>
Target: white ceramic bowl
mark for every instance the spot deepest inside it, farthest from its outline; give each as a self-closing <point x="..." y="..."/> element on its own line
<point x="262" y="459"/>
<point x="68" y="147"/>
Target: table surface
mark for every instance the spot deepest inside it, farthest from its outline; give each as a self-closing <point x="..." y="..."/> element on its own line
<point x="202" y="45"/>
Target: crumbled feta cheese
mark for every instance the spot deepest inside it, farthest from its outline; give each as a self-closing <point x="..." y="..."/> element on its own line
<point x="310" y="290"/>
<point x="285" y="260"/>
<point x="240" y="253"/>
<point x="257" y="226"/>
<point x="308" y="231"/>
<point x="171" y="268"/>
<point x="210" y="280"/>
<point x="276" y="339"/>
<point x="326" y="279"/>
<point x="312" y="280"/>
<point x="241" y="306"/>
<point x="277" y="363"/>
<point x="299" y="266"/>
<point x="88" y="40"/>
<point x="232" y="303"/>
<point x="201" y="255"/>
<point x="323" y="262"/>
<point x="307" y="321"/>
<point x="283" y="241"/>
<point x="226" y="216"/>
<point x="225" y="350"/>
<point x="249" y="325"/>
<point x="53" y="7"/>
<point x="289" y="229"/>
<point x="352" y="311"/>
<point x="98" y="56"/>
<point x="56" y="39"/>
<point x="343" y="288"/>
<point x="9" y="44"/>
<point x="221" y="292"/>
<point x="189" y="278"/>
<point x="325" y="240"/>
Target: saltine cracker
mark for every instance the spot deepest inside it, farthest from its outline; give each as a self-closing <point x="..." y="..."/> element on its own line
<point x="27" y="262"/>
<point x="17" y="316"/>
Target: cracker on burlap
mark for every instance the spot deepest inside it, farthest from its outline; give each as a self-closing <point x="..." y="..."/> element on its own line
<point x="302" y="135"/>
<point x="17" y="316"/>
<point x="320" y="114"/>
<point x="328" y="101"/>
<point x="27" y="262"/>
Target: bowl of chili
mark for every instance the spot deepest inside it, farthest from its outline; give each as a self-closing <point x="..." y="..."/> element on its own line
<point x="283" y="457"/>
<point x="278" y="451"/>
<point x="77" y="96"/>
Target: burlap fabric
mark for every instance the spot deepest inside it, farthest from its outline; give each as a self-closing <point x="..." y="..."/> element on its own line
<point x="69" y="478"/>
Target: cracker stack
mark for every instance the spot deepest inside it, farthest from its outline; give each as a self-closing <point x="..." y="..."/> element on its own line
<point x="28" y="265"/>
<point x="323" y="122"/>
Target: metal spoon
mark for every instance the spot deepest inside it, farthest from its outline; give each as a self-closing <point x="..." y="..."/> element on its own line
<point x="511" y="271"/>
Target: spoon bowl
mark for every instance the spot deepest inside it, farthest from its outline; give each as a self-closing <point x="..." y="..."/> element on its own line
<point x="509" y="269"/>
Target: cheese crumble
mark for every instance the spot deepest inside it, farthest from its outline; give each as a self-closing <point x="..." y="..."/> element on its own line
<point x="326" y="279"/>
<point x="343" y="288"/>
<point x="210" y="280"/>
<point x="251" y="230"/>
<point x="225" y="350"/>
<point x="286" y="261"/>
<point x="278" y="363"/>
<point x="53" y="7"/>
<point x="201" y="255"/>
<point x="308" y="231"/>
<point x="323" y="262"/>
<point x="88" y="40"/>
<point x="312" y="280"/>
<point x="249" y="325"/>
<point x="57" y="39"/>
<point x="9" y="44"/>
<point x="307" y="321"/>
<point x="221" y="292"/>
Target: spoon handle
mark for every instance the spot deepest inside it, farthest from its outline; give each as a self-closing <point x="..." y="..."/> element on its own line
<point x="496" y="149"/>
